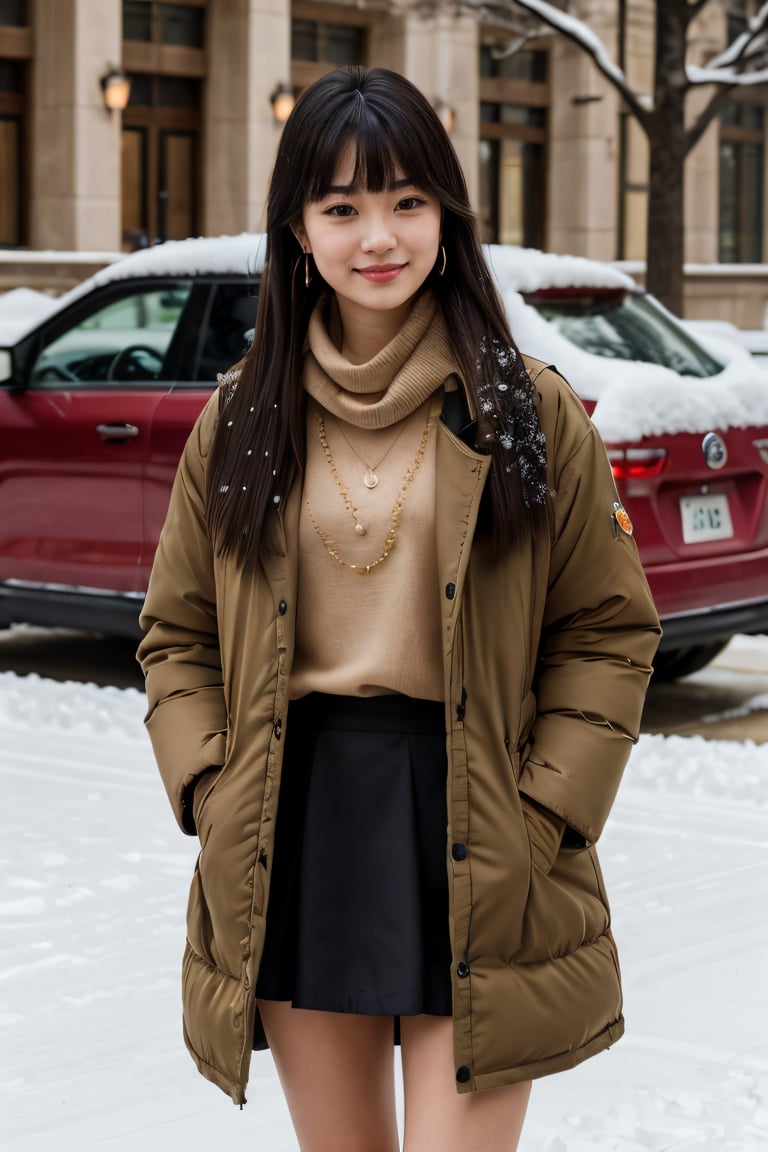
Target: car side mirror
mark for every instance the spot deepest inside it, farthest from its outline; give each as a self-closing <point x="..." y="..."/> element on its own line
<point x="6" y="366"/>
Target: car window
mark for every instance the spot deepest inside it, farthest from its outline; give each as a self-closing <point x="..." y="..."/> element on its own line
<point x="126" y="340"/>
<point x="623" y="326"/>
<point x="229" y="328"/>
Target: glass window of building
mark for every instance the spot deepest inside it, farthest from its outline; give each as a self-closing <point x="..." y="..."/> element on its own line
<point x="335" y="44"/>
<point x="736" y="17"/>
<point x="339" y="38"/>
<point x="160" y="152"/>
<point x="742" y="183"/>
<point x="164" y="56"/>
<point x="14" y="73"/>
<point x="14" y="13"/>
<point x="182" y="25"/>
<point x="498" y="62"/>
<point x="137" y="20"/>
<point x="514" y="100"/>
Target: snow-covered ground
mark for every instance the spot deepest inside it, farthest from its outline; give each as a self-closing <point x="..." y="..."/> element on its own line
<point x="93" y="879"/>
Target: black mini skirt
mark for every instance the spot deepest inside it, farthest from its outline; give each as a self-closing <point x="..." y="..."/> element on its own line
<point x="358" y="910"/>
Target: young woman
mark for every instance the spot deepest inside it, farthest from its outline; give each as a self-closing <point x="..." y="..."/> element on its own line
<point x="397" y="645"/>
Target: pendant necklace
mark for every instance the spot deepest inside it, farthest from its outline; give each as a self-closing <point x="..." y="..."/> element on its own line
<point x="370" y="479"/>
<point x="397" y="507"/>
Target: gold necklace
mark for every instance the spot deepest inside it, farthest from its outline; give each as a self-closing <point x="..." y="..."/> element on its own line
<point x="370" y="479"/>
<point x="349" y="504"/>
<point x="397" y="507"/>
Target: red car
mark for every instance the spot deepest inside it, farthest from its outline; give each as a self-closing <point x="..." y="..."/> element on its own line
<point x="98" y="397"/>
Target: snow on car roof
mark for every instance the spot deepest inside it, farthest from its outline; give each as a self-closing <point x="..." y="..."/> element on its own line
<point x="198" y="256"/>
<point x="202" y="255"/>
<point x="529" y="270"/>
<point x="634" y="399"/>
<point x="20" y="310"/>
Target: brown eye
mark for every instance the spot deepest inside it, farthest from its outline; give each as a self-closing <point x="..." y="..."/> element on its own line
<point x="408" y="203"/>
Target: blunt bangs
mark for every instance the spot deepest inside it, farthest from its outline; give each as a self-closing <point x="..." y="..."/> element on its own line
<point x="382" y="146"/>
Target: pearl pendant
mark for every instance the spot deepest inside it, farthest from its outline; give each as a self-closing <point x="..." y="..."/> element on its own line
<point x="370" y="479"/>
<point x="360" y="529"/>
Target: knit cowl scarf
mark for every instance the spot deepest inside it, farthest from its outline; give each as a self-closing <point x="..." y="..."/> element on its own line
<point x="389" y="387"/>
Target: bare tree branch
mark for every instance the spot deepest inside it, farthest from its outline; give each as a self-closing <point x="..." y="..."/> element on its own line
<point x="578" y="33"/>
<point x="706" y="116"/>
<point x="737" y="50"/>
<point x="741" y="64"/>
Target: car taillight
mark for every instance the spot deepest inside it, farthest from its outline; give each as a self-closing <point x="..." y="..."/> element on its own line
<point x="637" y="463"/>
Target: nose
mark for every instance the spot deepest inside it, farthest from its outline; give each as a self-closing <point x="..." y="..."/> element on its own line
<point x="378" y="235"/>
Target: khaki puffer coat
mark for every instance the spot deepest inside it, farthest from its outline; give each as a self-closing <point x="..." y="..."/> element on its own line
<point x="546" y="661"/>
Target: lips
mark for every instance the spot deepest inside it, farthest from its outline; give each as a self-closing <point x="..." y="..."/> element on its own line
<point x="381" y="273"/>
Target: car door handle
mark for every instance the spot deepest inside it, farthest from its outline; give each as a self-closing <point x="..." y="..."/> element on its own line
<point x="117" y="431"/>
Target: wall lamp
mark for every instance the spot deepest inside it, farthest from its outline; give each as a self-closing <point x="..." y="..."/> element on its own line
<point x="446" y="114"/>
<point x="116" y="88"/>
<point x="282" y="100"/>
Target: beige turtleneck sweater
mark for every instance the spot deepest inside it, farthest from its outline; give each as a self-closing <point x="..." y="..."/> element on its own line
<point x="367" y="635"/>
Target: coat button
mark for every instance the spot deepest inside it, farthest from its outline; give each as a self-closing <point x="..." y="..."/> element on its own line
<point x="450" y="591"/>
<point x="282" y="607"/>
<point x="462" y="970"/>
<point x="278" y="729"/>
<point x="459" y="851"/>
<point x="463" y="1075"/>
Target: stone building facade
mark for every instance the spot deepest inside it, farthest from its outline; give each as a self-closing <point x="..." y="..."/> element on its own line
<point x="551" y="158"/>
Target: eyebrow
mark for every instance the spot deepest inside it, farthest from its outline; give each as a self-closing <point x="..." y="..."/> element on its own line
<point x="347" y="189"/>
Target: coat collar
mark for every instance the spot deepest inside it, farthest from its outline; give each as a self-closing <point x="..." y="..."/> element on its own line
<point x="461" y="476"/>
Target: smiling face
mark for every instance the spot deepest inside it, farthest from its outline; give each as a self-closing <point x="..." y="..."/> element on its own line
<point x="373" y="249"/>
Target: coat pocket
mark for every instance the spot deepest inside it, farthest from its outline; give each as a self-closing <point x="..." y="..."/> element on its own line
<point x="566" y="907"/>
<point x="200" y="933"/>
<point x="199" y="928"/>
<point x="203" y="789"/>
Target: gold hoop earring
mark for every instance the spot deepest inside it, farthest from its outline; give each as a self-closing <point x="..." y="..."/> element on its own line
<point x="294" y="270"/>
<point x="307" y="276"/>
<point x="441" y="271"/>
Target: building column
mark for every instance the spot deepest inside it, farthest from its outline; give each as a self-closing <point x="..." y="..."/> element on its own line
<point x="702" y="168"/>
<point x="75" y="163"/>
<point x="249" y="53"/>
<point x="583" y="143"/>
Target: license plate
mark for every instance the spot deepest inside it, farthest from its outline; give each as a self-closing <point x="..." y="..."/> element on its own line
<point x="705" y="518"/>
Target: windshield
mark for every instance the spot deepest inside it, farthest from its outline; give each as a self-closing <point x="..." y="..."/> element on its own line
<point x="622" y="325"/>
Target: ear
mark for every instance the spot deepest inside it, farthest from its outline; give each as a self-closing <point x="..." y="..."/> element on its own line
<point x="301" y="235"/>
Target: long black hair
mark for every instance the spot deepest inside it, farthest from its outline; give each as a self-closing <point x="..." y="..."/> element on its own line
<point x="259" y="449"/>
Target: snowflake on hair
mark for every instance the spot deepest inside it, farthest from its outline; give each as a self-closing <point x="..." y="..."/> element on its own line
<point x="508" y="416"/>
<point x="228" y="382"/>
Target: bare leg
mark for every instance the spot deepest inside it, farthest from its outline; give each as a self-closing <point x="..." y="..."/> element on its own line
<point x="337" y="1074"/>
<point x="437" y="1117"/>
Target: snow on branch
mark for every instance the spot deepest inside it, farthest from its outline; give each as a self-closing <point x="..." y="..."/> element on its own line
<point x="729" y="69"/>
<point x="576" y="31"/>
<point x="738" y="50"/>
<point x="725" y="76"/>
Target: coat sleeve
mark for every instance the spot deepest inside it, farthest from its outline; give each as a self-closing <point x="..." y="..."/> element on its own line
<point x="187" y="713"/>
<point x="599" y="635"/>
